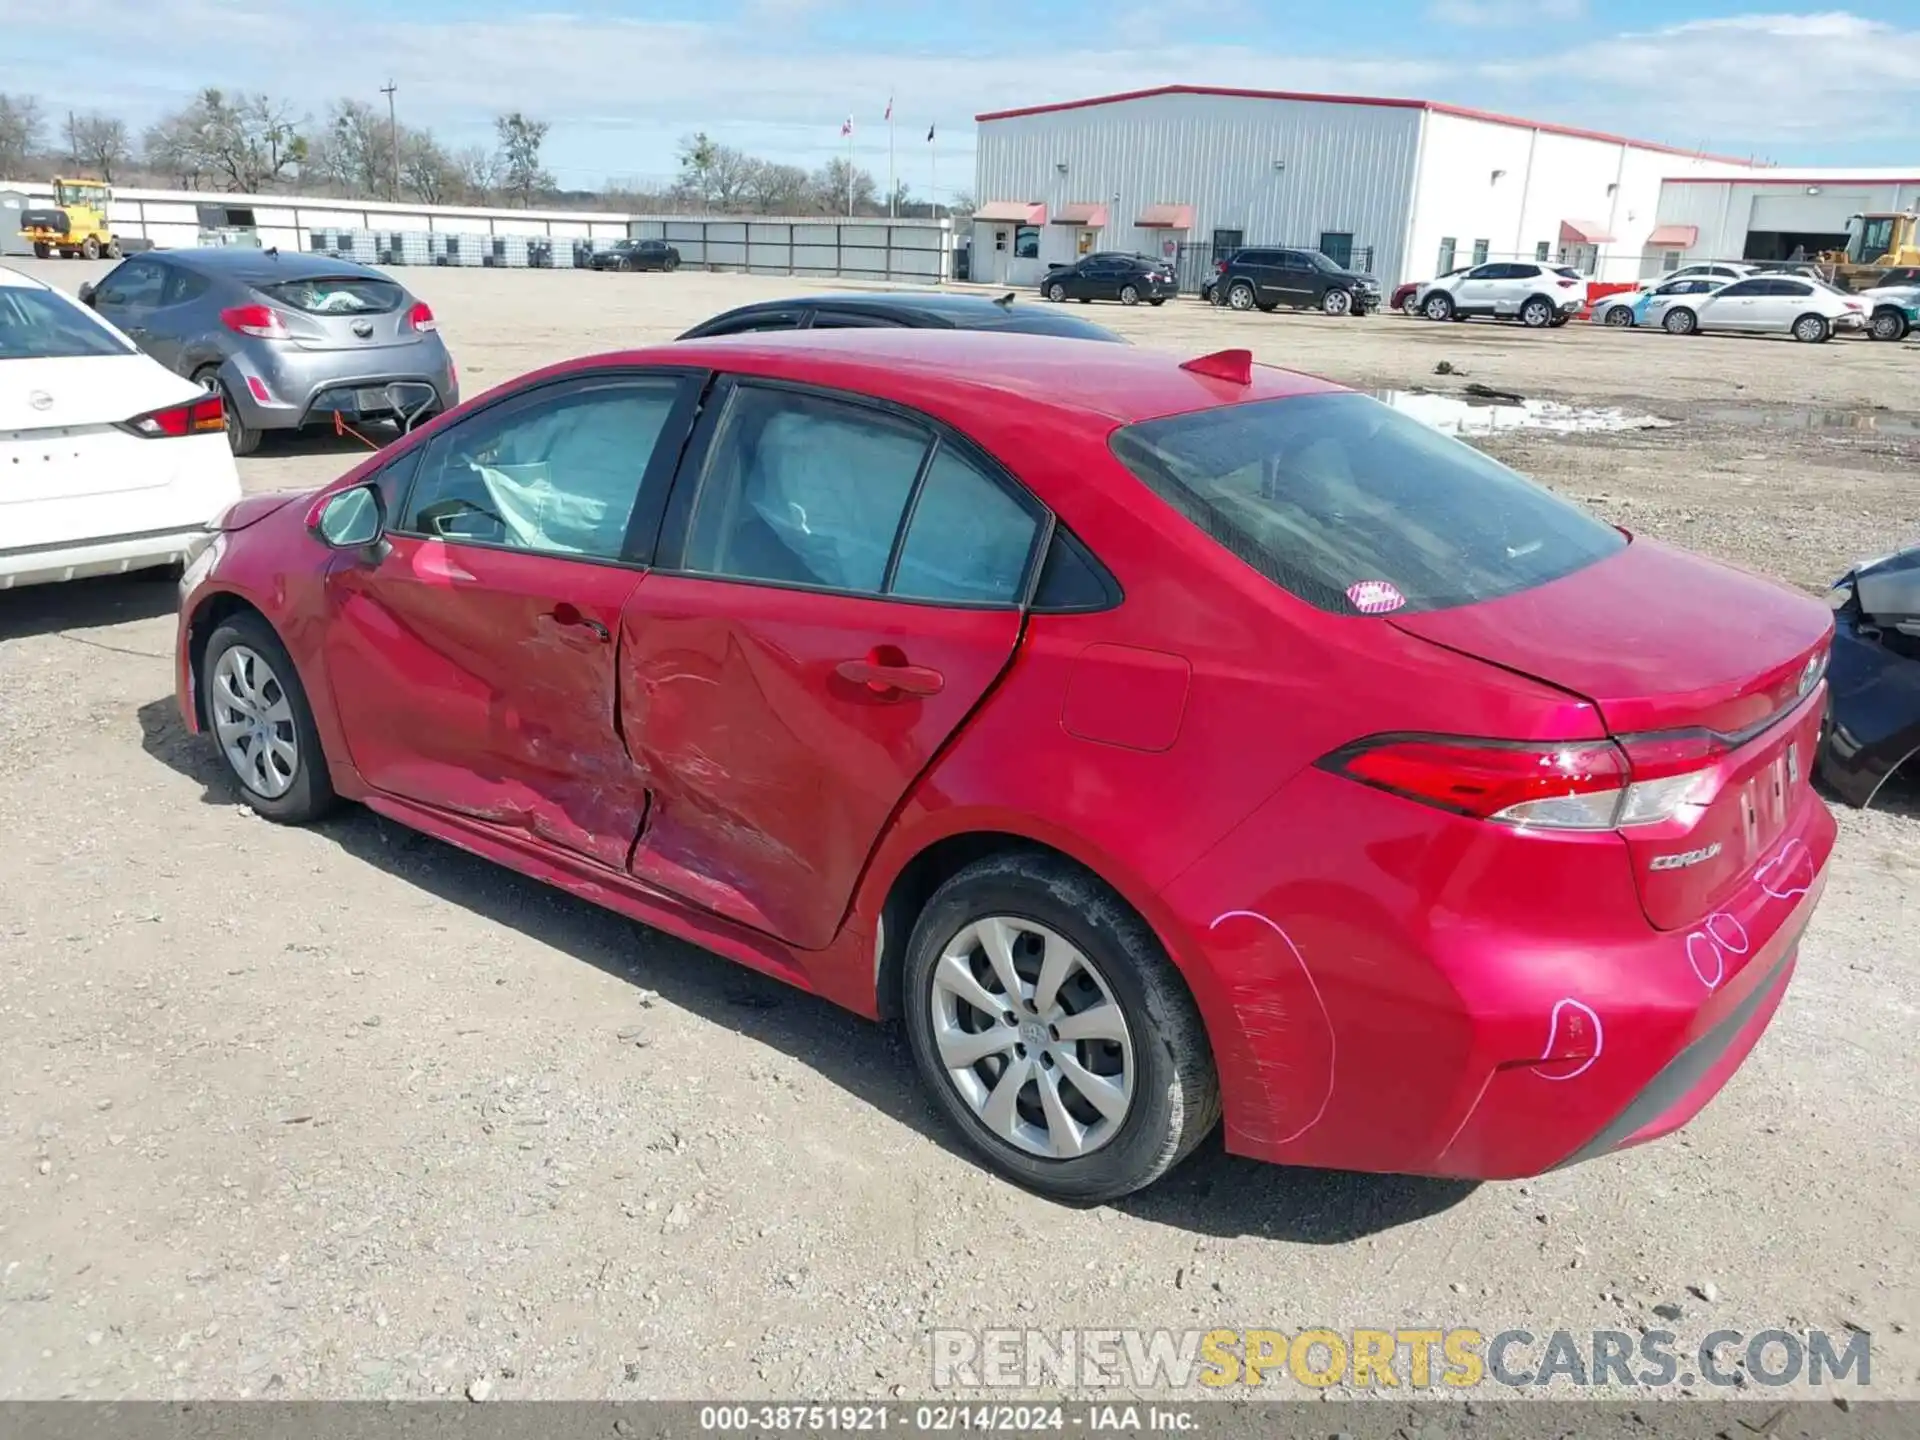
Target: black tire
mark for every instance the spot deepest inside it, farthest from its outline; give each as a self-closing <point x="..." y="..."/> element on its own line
<point x="1560" y="318"/>
<point x="1337" y="302"/>
<point x="311" y="794"/>
<point x="1240" y="296"/>
<point x="90" y="248"/>
<point x="42" y="251"/>
<point x="1158" y="300"/>
<point x="113" y="249"/>
<point x="1129" y="294"/>
<point x="1889" y="322"/>
<point x="1618" y="315"/>
<point x="1811" y="329"/>
<point x="1057" y="293"/>
<point x="1680" y="321"/>
<point x="1536" y="312"/>
<point x="1438" y="307"/>
<point x="1176" y="1099"/>
<point x="626" y="264"/>
<point x="671" y="263"/>
<point x="240" y="440"/>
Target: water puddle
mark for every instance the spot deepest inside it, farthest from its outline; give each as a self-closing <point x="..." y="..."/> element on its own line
<point x="1472" y="415"/>
<point x="1806" y="417"/>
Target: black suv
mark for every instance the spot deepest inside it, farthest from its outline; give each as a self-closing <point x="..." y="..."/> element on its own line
<point x="1112" y="275"/>
<point x="1262" y="279"/>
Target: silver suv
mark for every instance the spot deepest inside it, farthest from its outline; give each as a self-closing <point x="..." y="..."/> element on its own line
<point x="287" y="339"/>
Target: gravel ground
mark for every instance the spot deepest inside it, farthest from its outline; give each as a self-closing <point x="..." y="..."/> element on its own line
<point x="342" y="1112"/>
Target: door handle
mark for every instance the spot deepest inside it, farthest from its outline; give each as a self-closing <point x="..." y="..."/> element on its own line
<point x="884" y="675"/>
<point x="568" y="614"/>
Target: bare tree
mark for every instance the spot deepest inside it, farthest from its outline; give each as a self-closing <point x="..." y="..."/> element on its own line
<point x="830" y="189"/>
<point x="480" y="173"/>
<point x="523" y="177"/>
<point x="20" y="126"/>
<point x="353" y="152"/>
<point x="244" y="145"/>
<point x="427" y="172"/>
<point x="99" y="143"/>
<point x="773" y="189"/>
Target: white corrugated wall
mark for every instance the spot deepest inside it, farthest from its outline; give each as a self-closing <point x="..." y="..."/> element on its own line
<point x="1344" y="168"/>
<point x="1725" y="211"/>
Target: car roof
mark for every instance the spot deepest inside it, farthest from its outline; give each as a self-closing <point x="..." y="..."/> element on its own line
<point x="20" y="280"/>
<point x="968" y="373"/>
<point x="245" y="263"/>
<point x="970" y="312"/>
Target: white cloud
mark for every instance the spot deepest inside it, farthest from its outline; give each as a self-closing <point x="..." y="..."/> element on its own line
<point x="619" y="92"/>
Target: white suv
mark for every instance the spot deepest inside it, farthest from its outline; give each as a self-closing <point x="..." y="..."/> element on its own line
<point x="1537" y="295"/>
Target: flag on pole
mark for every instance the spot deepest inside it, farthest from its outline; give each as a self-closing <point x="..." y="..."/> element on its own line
<point x="929" y="134"/>
<point x="889" y="114"/>
<point x="847" y="127"/>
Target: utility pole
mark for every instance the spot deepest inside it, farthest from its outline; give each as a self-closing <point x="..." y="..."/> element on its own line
<point x="393" y="135"/>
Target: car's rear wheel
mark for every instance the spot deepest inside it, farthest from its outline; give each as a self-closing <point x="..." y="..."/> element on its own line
<point x="1158" y="300"/>
<point x="1053" y="1031"/>
<point x="1129" y="294"/>
<point x="1057" y="293"/>
<point x="1618" y="315"/>
<point x="241" y="440"/>
<point x="1438" y="307"/>
<point x="1536" y="314"/>
<point x="1888" y="323"/>
<point x="1812" y="329"/>
<point x="1240" y="295"/>
<point x="261" y="722"/>
<point x="1337" y="302"/>
<point x="1681" y="321"/>
<point x="671" y="263"/>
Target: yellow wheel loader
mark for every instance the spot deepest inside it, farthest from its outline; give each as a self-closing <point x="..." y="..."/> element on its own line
<point x="76" y="226"/>
<point x="1882" y="248"/>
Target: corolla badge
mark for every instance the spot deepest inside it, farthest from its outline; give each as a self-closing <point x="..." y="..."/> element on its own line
<point x="40" y="400"/>
<point x="1685" y="858"/>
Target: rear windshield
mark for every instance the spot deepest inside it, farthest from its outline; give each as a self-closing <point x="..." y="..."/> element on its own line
<point x="349" y="295"/>
<point x="1320" y="493"/>
<point x="39" y="325"/>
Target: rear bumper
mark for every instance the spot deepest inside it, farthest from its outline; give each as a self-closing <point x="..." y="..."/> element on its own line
<point x="112" y="555"/>
<point x="1423" y="995"/>
<point x="295" y="382"/>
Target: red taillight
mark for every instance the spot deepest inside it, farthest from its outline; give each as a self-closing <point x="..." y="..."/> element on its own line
<point x="1219" y="267"/>
<point x="262" y="322"/>
<point x="1855" y="305"/>
<point x="1564" y="785"/>
<point x="1566" y="284"/>
<point x="199" y="417"/>
<point x="420" y="317"/>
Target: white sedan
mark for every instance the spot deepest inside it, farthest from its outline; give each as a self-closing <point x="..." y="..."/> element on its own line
<point x="109" y="462"/>
<point x="1649" y="304"/>
<point x="1808" y="310"/>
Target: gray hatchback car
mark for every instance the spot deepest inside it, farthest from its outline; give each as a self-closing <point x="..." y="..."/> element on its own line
<point x="288" y="339"/>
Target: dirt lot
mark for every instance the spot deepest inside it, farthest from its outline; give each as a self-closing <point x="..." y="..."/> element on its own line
<point x="343" y="1112"/>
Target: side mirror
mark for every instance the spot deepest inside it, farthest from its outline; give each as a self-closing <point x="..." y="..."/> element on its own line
<point x="87" y="292"/>
<point x="352" y="519"/>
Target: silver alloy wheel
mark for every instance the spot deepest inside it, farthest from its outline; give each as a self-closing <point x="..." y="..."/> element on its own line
<point x="253" y="720"/>
<point x="1679" y="322"/>
<point x="1240" y="297"/>
<point x="1535" y="315"/>
<point x="1619" y="315"/>
<point x="1129" y="295"/>
<point x="1438" y="307"/>
<point x="1810" y="328"/>
<point x="1031" y="1036"/>
<point x="1888" y="325"/>
<point x="1057" y="293"/>
<point x="1337" y="302"/>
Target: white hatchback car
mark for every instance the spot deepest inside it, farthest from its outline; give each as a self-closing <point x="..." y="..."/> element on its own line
<point x="109" y="461"/>
<point x="1808" y="310"/>
<point x="1537" y="295"/>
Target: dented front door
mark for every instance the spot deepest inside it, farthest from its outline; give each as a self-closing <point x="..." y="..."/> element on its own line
<point x="482" y="682"/>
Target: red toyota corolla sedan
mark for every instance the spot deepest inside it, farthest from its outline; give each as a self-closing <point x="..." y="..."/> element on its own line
<point x="1161" y="741"/>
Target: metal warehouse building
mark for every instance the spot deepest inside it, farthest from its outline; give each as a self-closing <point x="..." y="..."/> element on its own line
<point x="1401" y="188"/>
<point x="1775" y="214"/>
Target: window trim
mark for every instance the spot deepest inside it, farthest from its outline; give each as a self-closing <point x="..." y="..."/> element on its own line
<point x="691" y="478"/>
<point x="649" y="503"/>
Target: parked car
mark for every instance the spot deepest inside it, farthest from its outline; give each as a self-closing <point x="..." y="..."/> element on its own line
<point x="108" y="462"/>
<point x="797" y="635"/>
<point x="1808" y="310"/>
<point x="1873" y="698"/>
<point x="636" y="255"/>
<point x="1406" y="297"/>
<point x="1892" y="310"/>
<point x="1649" y="306"/>
<point x="1110" y="275"/>
<point x="1265" y="279"/>
<point x="286" y="339"/>
<point x="1723" y="270"/>
<point x="907" y="309"/>
<point x="1536" y="295"/>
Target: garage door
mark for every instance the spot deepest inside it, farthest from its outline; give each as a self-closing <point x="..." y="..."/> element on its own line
<point x="1825" y="213"/>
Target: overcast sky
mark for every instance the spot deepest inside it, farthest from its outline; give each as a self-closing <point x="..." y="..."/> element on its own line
<point x="622" y="82"/>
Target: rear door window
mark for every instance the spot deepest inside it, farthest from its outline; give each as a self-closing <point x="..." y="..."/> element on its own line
<point x="1320" y="493"/>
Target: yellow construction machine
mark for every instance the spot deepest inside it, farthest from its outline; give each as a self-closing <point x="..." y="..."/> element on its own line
<point x="1879" y="243"/>
<point x="77" y="224"/>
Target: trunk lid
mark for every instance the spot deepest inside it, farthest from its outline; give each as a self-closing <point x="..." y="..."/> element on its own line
<point x="1682" y="657"/>
<point x="84" y="390"/>
<point x="346" y="312"/>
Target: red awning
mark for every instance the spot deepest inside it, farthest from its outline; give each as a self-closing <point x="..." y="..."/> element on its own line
<point x="1584" y="232"/>
<point x="1673" y="237"/>
<point x="1087" y="215"/>
<point x="1166" y="217"/>
<point x="1013" y="212"/>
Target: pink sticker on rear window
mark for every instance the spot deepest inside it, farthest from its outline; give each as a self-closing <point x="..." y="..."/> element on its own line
<point x="1375" y="597"/>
